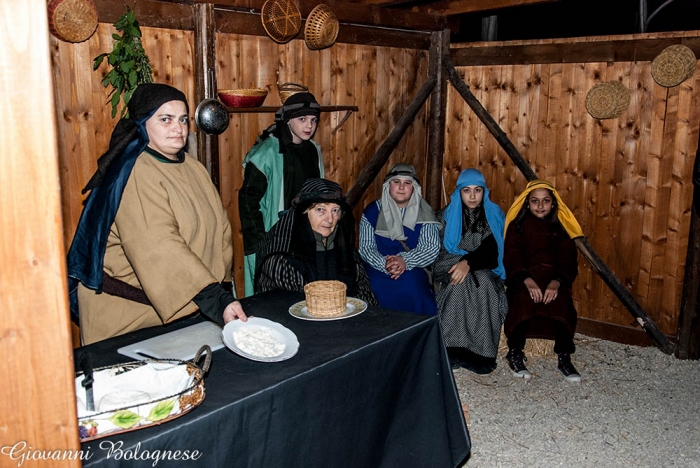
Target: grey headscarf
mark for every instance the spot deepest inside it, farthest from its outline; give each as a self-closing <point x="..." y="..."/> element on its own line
<point x="390" y="223"/>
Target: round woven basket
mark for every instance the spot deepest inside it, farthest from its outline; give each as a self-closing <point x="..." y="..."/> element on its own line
<point x="673" y="65"/>
<point x="72" y="20"/>
<point x="288" y="89"/>
<point x="321" y="28"/>
<point x="281" y="20"/>
<point x="325" y="298"/>
<point x="607" y="100"/>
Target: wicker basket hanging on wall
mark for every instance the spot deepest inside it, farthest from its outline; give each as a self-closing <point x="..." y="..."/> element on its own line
<point x="607" y="100"/>
<point x="281" y="20"/>
<point x="673" y="65"/>
<point x="72" y="20"/>
<point x="321" y="28"/>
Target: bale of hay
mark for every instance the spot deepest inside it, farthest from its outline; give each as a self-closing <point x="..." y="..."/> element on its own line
<point x="533" y="347"/>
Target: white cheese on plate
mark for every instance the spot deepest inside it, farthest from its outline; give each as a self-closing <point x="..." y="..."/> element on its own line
<point x="258" y="341"/>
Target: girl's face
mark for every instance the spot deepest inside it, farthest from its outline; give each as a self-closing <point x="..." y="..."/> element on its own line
<point x="324" y="217"/>
<point x="167" y="129"/>
<point x="540" y="202"/>
<point x="401" y="189"/>
<point x="472" y="196"/>
<point x="302" y="128"/>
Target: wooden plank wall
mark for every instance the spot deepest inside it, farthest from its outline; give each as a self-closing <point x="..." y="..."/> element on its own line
<point x="627" y="180"/>
<point x="345" y="74"/>
<point x="37" y="398"/>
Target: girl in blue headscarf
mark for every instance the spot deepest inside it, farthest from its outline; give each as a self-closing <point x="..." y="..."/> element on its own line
<point x="471" y="302"/>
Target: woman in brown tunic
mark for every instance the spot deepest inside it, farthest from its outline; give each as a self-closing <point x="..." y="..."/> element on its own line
<point x="540" y="259"/>
<point x="154" y="242"/>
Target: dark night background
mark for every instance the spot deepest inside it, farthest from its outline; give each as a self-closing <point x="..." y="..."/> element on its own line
<point x="574" y="18"/>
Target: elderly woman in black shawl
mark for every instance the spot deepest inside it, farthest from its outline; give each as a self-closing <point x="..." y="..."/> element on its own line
<point x="153" y="243"/>
<point x="313" y="241"/>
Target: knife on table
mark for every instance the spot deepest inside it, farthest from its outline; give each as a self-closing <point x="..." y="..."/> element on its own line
<point x="86" y="367"/>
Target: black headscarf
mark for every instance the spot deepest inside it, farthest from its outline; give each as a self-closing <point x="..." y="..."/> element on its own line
<point x="296" y="105"/>
<point x="129" y="139"/>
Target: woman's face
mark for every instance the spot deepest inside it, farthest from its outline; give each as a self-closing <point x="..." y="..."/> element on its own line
<point x="401" y="189"/>
<point x="302" y="128"/>
<point x="472" y="196"/>
<point x="324" y="217"/>
<point x="540" y="202"/>
<point x="167" y="129"/>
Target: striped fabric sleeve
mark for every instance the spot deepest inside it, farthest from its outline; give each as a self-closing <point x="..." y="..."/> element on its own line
<point x="427" y="248"/>
<point x="368" y="246"/>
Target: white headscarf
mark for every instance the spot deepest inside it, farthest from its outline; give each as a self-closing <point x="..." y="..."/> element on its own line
<point x="390" y="223"/>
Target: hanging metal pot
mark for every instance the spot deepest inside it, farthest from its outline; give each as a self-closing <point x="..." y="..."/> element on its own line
<point x="211" y="115"/>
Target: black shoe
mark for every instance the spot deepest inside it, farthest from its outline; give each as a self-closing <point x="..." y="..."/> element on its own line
<point x="480" y="369"/>
<point x="515" y="359"/>
<point x="567" y="368"/>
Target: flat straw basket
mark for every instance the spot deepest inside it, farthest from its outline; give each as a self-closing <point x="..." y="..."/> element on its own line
<point x="673" y="65"/>
<point x="127" y="419"/>
<point x="321" y="28"/>
<point x="281" y="20"/>
<point x="286" y="90"/>
<point x="325" y="298"/>
<point x="72" y="20"/>
<point x="607" y="100"/>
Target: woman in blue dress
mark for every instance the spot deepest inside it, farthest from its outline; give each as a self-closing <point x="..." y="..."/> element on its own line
<point x="398" y="239"/>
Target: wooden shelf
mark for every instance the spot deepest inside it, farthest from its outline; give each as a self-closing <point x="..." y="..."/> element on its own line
<point x="271" y="109"/>
<point x="244" y="110"/>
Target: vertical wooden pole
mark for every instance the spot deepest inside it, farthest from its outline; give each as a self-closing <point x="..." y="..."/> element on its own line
<point x="689" y="319"/>
<point x="37" y="395"/>
<point x="439" y="47"/>
<point x="205" y="82"/>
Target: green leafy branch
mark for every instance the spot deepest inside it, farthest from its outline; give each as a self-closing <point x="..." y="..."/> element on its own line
<point x="129" y="62"/>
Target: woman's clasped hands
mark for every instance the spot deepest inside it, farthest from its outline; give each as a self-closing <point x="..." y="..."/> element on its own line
<point x="536" y="293"/>
<point x="395" y="265"/>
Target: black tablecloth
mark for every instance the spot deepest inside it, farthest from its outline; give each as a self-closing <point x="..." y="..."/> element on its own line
<point x="374" y="390"/>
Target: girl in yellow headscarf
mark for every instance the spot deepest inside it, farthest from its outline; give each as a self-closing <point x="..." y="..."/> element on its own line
<point x="540" y="259"/>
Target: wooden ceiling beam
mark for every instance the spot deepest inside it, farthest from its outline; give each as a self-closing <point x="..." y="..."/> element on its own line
<point x="458" y="7"/>
<point x="348" y="13"/>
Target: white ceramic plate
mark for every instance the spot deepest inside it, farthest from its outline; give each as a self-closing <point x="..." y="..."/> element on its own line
<point x="281" y="333"/>
<point x="353" y="307"/>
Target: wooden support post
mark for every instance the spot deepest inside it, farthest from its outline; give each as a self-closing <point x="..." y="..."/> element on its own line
<point x="582" y="243"/>
<point x="689" y="320"/>
<point x="439" y="47"/>
<point x="205" y="82"/>
<point x="369" y="173"/>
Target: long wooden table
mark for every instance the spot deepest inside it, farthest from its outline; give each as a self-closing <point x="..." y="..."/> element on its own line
<point x="374" y="390"/>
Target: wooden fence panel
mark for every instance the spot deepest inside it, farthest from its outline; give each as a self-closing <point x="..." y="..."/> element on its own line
<point x="626" y="179"/>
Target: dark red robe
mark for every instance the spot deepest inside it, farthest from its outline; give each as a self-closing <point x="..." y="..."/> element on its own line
<point x="538" y="249"/>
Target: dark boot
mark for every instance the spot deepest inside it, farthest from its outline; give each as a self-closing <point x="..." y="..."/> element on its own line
<point x="567" y="368"/>
<point x="515" y="359"/>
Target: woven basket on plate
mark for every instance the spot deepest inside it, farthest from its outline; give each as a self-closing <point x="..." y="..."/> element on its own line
<point x="607" y="100"/>
<point x="72" y="20"/>
<point x="288" y="89"/>
<point x="673" y="65"/>
<point x="325" y="298"/>
<point x="281" y="20"/>
<point x="321" y="28"/>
